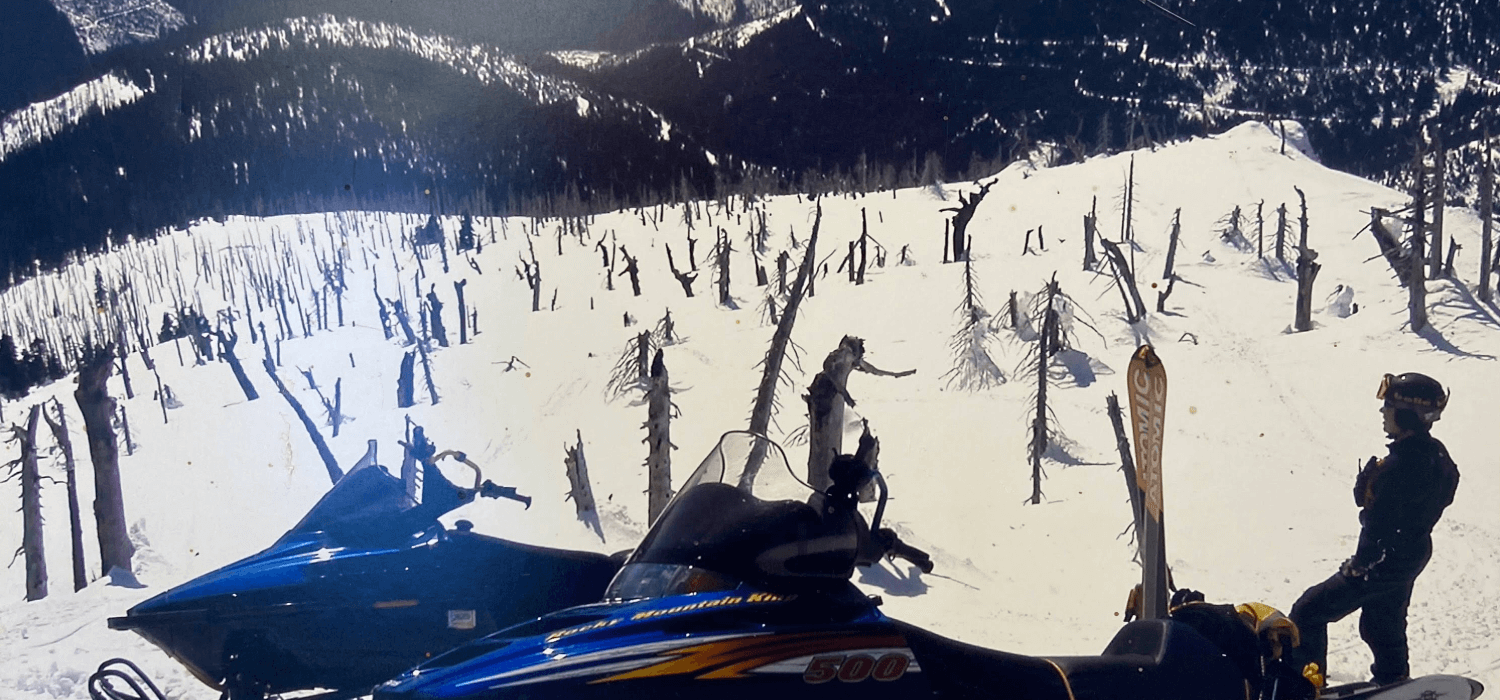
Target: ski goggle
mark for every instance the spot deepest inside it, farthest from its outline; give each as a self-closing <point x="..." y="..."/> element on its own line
<point x="1385" y="384"/>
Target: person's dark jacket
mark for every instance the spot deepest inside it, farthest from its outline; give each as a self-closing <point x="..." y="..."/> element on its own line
<point x="1402" y="497"/>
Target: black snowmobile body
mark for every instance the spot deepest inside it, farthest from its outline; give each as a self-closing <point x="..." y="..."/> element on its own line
<point x="741" y="590"/>
<point x="360" y="590"/>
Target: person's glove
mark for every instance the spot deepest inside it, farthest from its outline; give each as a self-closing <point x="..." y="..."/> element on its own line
<point x="1352" y="568"/>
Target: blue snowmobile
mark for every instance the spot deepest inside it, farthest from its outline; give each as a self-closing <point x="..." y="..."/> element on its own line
<point x="364" y="587"/>
<point x="741" y="590"/>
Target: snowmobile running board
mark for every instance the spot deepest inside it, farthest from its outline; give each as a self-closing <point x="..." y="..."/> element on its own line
<point x="1424" y="688"/>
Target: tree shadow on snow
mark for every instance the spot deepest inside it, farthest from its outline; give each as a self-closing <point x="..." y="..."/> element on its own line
<point x="1083" y="369"/>
<point x="1459" y="297"/>
<point x="1060" y="451"/>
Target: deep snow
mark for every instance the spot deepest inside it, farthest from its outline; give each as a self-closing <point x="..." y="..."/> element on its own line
<point x="1265" y="430"/>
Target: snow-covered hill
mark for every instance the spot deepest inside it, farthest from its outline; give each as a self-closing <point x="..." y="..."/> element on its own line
<point x="1266" y="428"/>
<point x="102" y="25"/>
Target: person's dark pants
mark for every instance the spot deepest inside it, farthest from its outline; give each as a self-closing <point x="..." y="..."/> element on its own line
<point x="1382" y="620"/>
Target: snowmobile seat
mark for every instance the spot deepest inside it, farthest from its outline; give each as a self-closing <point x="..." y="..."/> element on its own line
<point x="968" y="672"/>
<point x="1155" y="659"/>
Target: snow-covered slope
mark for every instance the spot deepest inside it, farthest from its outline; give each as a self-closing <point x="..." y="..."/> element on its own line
<point x="38" y="122"/>
<point x="1266" y="428"/>
<point x="102" y="25"/>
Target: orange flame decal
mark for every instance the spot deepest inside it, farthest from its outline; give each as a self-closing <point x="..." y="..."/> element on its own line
<point x="733" y="657"/>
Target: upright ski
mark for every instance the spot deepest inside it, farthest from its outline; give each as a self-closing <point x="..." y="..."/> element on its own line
<point x="1147" y="380"/>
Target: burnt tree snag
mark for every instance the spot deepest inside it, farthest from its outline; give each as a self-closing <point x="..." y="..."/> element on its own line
<point x="75" y="518"/>
<point x="329" y="462"/>
<point x="32" y="544"/>
<point x="580" y="491"/>
<point x="658" y="440"/>
<point x="765" y="394"/>
<point x="962" y="215"/>
<point x="98" y="408"/>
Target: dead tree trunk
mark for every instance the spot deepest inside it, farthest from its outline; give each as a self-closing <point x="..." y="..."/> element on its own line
<point x="31" y="508"/>
<point x="1390" y="247"/>
<point x="406" y="384"/>
<point x="1127" y="208"/>
<point x="962" y="215"/>
<point x="432" y="393"/>
<point x="1135" y="309"/>
<point x="329" y="462"/>
<point x="463" y="312"/>
<point x="75" y="518"/>
<point x="658" y="440"/>
<point x="580" y="490"/>
<point x="97" y="407"/>
<point x="1302" y="219"/>
<point x="864" y="245"/>
<point x="765" y="395"/>
<point x="1307" y="271"/>
<point x="683" y="278"/>
<point x="404" y="321"/>
<point x="826" y="399"/>
<point x="534" y="277"/>
<point x="435" y="314"/>
<point x="226" y="351"/>
<point x="1260" y="228"/>
<point x="1127" y="461"/>
<point x="1439" y="197"/>
<point x="1486" y="218"/>
<point x="1172" y="244"/>
<point x="1416" y="283"/>
<point x="1039" y="424"/>
<point x="1281" y="232"/>
<point x="825" y="410"/>
<point x="632" y="270"/>
<point x="1090" y="230"/>
<point x="722" y="259"/>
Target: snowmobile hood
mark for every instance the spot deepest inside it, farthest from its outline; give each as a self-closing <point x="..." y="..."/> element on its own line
<point x="606" y="642"/>
<point x="248" y="581"/>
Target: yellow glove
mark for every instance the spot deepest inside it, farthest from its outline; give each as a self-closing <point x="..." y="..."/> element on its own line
<point x="1276" y="632"/>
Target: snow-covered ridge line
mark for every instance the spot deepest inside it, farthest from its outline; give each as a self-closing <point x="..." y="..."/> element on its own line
<point x="725" y="39"/>
<point x="484" y="63"/>
<point x="738" y="36"/>
<point x="105" y="24"/>
<point x="40" y="121"/>
<point x="725" y="11"/>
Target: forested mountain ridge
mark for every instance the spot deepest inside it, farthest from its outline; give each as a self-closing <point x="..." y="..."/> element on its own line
<point x="335" y="110"/>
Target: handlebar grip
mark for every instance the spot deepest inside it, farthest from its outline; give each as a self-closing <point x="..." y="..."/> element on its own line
<point x="894" y="547"/>
<point x="492" y="490"/>
<point x="921" y="559"/>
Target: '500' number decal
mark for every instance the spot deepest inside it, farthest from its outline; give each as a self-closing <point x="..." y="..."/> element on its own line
<point x="854" y="668"/>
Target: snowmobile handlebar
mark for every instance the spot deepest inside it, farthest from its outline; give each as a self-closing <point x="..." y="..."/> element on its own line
<point x="894" y="548"/>
<point x="482" y="486"/>
<point x="492" y="490"/>
<point x="463" y="459"/>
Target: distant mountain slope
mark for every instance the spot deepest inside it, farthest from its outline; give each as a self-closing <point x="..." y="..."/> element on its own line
<point x="328" y="113"/>
<point x="894" y="81"/>
<point x="102" y="25"/>
<point x="39" y="51"/>
<point x="395" y="105"/>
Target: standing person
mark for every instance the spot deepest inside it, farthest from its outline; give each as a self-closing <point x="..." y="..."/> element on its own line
<point x="1401" y="498"/>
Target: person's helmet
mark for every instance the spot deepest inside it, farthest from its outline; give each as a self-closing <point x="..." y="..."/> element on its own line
<point x="1414" y="392"/>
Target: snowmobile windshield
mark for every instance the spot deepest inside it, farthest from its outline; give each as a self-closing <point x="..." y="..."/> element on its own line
<point x="742" y="517"/>
<point x="369" y="503"/>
